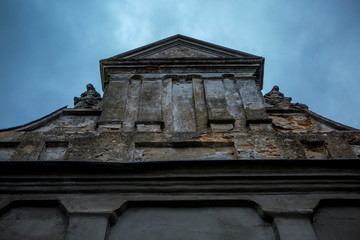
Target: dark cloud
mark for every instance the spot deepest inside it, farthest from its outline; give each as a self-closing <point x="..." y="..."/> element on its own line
<point x="50" y="49"/>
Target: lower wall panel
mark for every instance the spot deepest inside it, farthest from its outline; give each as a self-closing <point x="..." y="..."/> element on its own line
<point x="191" y="223"/>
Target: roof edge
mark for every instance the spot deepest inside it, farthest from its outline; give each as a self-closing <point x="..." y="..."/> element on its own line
<point x="44" y="118"/>
<point x="183" y="37"/>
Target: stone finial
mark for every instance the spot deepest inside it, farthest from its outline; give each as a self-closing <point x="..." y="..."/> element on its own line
<point x="276" y="98"/>
<point x="89" y="99"/>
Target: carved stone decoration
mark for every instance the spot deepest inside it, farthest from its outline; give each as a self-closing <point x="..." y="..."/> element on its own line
<point x="181" y="52"/>
<point x="275" y="98"/>
<point x="89" y="99"/>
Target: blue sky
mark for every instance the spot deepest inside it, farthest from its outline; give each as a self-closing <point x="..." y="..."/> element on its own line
<point x="50" y="49"/>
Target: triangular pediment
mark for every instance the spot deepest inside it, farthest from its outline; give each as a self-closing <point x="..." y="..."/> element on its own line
<point x="180" y="46"/>
<point x="180" y="51"/>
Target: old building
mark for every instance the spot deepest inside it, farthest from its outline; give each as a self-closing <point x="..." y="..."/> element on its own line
<point x="182" y="145"/>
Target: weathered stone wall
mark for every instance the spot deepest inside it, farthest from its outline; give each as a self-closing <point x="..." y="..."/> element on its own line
<point x="184" y="130"/>
<point x="180" y="117"/>
<point x="199" y="102"/>
<point x="182" y="145"/>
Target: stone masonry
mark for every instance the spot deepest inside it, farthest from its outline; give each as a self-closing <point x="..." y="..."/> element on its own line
<point x="182" y="136"/>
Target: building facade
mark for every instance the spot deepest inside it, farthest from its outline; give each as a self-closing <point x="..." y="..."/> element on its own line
<point x="182" y="145"/>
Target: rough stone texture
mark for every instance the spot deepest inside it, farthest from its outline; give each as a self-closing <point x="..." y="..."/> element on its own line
<point x="112" y="115"/>
<point x="53" y="151"/>
<point x="170" y="152"/>
<point x="7" y="150"/>
<point x="150" y="102"/>
<point x="216" y="102"/>
<point x="183" y="107"/>
<point x="356" y="149"/>
<point x="253" y="102"/>
<point x="171" y="114"/>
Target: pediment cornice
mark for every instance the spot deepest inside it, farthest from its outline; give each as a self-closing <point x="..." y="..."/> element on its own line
<point x="180" y="46"/>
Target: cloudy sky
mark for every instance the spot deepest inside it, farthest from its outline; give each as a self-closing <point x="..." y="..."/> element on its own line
<point x="50" y="49"/>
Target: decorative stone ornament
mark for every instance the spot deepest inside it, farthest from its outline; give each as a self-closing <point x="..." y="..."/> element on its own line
<point x="275" y="98"/>
<point x="89" y="99"/>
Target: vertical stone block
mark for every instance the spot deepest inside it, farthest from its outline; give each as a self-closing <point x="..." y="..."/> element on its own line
<point x="234" y="102"/>
<point x="167" y="104"/>
<point x="183" y="106"/>
<point x="150" y="112"/>
<point x="219" y="117"/>
<point x="114" y="105"/>
<point x="200" y="104"/>
<point x="132" y="105"/>
<point x="253" y="101"/>
<point x="215" y="99"/>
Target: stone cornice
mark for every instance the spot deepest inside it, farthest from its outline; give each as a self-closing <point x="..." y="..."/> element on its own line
<point x="190" y="66"/>
<point x="222" y="177"/>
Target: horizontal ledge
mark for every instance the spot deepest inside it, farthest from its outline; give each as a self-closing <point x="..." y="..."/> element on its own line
<point x="195" y="188"/>
<point x="187" y="166"/>
<point x="258" y="121"/>
<point x="221" y="121"/>
<point x="82" y="111"/>
<point x="161" y="123"/>
<point x="177" y="61"/>
<point x="183" y="144"/>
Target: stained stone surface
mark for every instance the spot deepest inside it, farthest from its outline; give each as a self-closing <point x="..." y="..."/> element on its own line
<point x="7" y="150"/>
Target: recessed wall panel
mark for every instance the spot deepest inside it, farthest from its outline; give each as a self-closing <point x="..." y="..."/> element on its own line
<point x="32" y="223"/>
<point x="183" y="107"/>
<point x="184" y="151"/>
<point x="210" y="223"/>
<point x="337" y="223"/>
